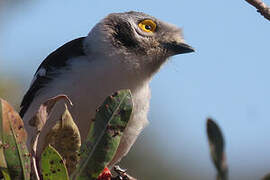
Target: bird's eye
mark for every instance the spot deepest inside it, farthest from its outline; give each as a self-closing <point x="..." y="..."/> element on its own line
<point x="148" y="25"/>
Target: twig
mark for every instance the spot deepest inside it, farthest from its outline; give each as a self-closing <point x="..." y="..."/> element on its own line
<point x="261" y="7"/>
<point x="122" y="174"/>
<point x="34" y="141"/>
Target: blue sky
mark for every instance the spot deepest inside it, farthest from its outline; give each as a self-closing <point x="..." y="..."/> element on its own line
<point x="227" y="78"/>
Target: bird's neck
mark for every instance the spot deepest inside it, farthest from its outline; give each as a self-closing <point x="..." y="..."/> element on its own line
<point x="115" y="74"/>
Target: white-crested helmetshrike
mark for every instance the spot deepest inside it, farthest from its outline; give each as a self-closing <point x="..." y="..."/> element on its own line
<point x="122" y="51"/>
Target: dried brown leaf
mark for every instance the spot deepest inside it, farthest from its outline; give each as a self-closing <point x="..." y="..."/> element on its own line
<point x="39" y="121"/>
<point x="65" y="138"/>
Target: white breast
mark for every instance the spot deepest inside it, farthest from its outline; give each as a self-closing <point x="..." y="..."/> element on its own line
<point x="87" y="84"/>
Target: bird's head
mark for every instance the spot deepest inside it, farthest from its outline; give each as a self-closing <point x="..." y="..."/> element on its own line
<point x="142" y="41"/>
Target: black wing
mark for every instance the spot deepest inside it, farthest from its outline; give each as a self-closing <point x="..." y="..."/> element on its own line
<point x="54" y="61"/>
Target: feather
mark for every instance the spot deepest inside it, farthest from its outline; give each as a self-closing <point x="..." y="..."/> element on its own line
<point x="55" y="61"/>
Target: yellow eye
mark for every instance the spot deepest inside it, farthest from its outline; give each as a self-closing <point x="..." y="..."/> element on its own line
<point x="148" y="25"/>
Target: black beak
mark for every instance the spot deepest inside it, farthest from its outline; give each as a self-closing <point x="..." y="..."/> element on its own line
<point x="178" y="48"/>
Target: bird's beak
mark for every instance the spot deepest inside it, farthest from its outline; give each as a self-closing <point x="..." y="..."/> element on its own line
<point x="178" y="48"/>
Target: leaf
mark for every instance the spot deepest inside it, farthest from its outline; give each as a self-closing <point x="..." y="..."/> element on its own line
<point x="52" y="165"/>
<point x="216" y="143"/>
<point x="65" y="138"/>
<point x="41" y="117"/>
<point x="14" y="155"/>
<point x="39" y="121"/>
<point x="266" y="177"/>
<point x="45" y="108"/>
<point x="5" y="174"/>
<point x="104" y="135"/>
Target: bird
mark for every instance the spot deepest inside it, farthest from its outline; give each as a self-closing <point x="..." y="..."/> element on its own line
<point x="122" y="51"/>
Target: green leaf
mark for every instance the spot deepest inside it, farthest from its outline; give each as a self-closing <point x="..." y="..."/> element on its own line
<point x="3" y="163"/>
<point x="15" y="158"/>
<point x="5" y="174"/>
<point x="216" y="144"/>
<point x="104" y="135"/>
<point x="65" y="138"/>
<point x="52" y="165"/>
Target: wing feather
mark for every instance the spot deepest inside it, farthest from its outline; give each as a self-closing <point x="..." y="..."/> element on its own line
<point x="56" y="60"/>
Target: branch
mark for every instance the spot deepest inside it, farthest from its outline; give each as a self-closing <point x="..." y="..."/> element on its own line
<point x="261" y="7"/>
<point x="121" y="174"/>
